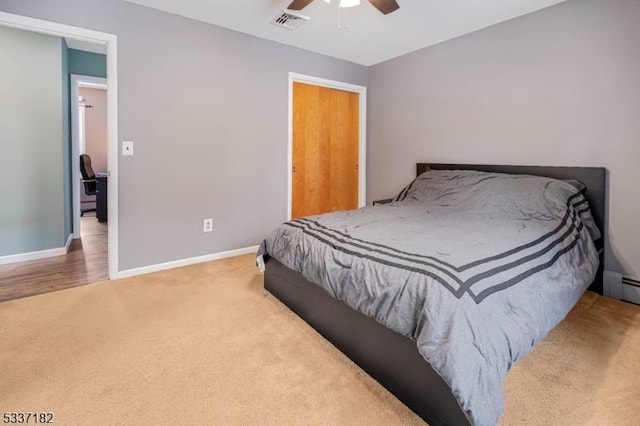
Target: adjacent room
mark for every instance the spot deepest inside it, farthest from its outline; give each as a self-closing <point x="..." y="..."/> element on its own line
<point x="52" y="235"/>
<point x="381" y="212"/>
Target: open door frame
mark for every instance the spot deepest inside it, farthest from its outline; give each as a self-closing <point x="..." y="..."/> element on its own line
<point x="78" y="81"/>
<point x="362" y="132"/>
<point x="110" y="40"/>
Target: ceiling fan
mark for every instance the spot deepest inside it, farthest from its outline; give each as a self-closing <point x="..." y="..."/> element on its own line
<point x="384" y="6"/>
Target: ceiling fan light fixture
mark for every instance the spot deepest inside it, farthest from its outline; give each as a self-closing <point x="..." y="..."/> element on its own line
<point x="384" y="6"/>
<point x="349" y="3"/>
<point x="346" y="3"/>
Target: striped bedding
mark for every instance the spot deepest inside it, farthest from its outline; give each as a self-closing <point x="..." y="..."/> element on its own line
<point x="475" y="267"/>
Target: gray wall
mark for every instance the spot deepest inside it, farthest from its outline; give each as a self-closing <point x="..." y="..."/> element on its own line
<point x="557" y="87"/>
<point x="207" y="110"/>
<point x="31" y="142"/>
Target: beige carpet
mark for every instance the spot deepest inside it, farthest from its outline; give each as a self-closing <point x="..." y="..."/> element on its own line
<point x="205" y="344"/>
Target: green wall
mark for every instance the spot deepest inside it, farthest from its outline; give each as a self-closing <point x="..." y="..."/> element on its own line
<point x="66" y="142"/>
<point x="32" y="210"/>
<point x="87" y="63"/>
<point x="36" y="191"/>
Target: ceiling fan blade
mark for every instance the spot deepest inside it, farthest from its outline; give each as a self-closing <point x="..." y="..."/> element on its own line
<point x="299" y="4"/>
<point x="385" y="6"/>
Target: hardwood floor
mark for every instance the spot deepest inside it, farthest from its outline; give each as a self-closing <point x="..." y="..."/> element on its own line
<point x="85" y="263"/>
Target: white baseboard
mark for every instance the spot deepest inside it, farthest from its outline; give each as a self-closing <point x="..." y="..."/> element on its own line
<point x="68" y="243"/>
<point x="35" y="255"/>
<point x="184" y="262"/>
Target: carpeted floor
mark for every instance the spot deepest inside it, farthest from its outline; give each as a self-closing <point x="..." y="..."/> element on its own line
<point x="205" y="344"/>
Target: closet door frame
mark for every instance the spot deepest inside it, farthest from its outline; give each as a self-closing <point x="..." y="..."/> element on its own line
<point x="362" y="132"/>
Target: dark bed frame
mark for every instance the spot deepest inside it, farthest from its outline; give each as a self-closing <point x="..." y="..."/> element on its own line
<point x="390" y="358"/>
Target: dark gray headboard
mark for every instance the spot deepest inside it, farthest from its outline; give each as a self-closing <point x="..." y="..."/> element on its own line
<point x="592" y="177"/>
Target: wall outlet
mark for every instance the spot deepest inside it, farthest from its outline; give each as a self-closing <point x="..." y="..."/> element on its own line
<point x="207" y="225"/>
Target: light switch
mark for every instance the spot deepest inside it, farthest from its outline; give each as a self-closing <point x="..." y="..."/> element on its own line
<point x="127" y="148"/>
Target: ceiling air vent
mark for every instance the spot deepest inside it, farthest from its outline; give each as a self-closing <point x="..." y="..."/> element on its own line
<point x="290" y="20"/>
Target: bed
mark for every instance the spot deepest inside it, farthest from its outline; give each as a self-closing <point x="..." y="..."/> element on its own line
<point x="396" y="357"/>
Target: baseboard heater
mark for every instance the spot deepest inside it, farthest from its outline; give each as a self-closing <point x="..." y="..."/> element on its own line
<point x="617" y="286"/>
<point x="631" y="290"/>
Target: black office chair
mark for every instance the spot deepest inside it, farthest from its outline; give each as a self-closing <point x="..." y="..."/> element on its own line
<point x="88" y="180"/>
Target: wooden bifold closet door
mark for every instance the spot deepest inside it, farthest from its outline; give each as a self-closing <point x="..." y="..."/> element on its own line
<point x="325" y="150"/>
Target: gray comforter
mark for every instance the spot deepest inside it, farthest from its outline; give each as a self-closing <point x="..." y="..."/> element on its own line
<point x="475" y="267"/>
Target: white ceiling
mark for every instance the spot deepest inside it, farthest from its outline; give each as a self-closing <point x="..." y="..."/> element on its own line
<point x="371" y="37"/>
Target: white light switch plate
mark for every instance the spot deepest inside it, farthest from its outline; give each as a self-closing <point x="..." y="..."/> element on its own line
<point x="127" y="148"/>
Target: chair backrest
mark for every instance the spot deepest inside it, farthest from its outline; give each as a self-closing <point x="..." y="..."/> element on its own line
<point x="85" y="167"/>
<point x="87" y="173"/>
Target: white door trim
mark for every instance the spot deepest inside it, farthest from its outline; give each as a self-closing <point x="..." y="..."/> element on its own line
<point x="78" y="81"/>
<point x="111" y="41"/>
<point x="362" y="143"/>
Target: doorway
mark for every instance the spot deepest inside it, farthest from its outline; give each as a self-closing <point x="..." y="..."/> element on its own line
<point x="89" y="137"/>
<point x="88" y="96"/>
<point x="327" y="158"/>
<point x="109" y="41"/>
